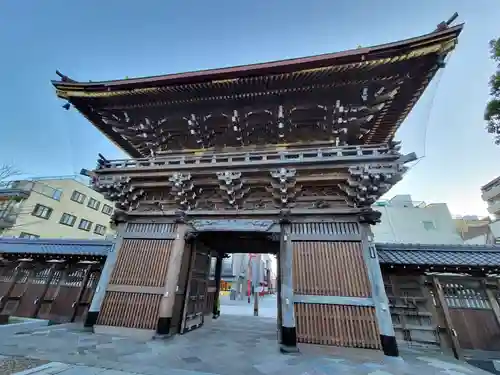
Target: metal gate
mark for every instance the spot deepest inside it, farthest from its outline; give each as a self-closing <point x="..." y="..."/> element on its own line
<point x="196" y="292"/>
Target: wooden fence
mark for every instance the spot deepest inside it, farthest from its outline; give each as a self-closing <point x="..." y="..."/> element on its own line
<point x="444" y="311"/>
<point x="54" y="291"/>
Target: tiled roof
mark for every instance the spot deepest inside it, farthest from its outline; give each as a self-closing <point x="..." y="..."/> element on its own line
<point x="55" y="246"/>
<point x="439" y="255"/>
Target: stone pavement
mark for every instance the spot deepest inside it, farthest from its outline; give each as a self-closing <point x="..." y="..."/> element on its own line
<point x="267" y="306"/>
<point x="231" y="345"/>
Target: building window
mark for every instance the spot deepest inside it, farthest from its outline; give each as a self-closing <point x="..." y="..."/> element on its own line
<point x="429" y="225"/>
<point x="106" y="209"/>
<point x="42" y="211"/>
<point x="85" y="225"/>
<point x="100" y="229"/>
<point x="47" y="190"/>
<point x="57" y="194"/>
<point x="78" y="197"/>
<point x="94" y="204"/>
<point x="30" y="236"/>
<point x="68" y="219"/>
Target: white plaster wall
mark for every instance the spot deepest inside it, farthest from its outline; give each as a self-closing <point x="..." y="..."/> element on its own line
<point x="404" y="223"/>
<point x="479" y="240"/>
<point x="495" y="229"/>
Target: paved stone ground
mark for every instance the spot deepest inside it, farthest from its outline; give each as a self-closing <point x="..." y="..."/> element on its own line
<point x="267" y="306"/>
<point x="231" y="345"/>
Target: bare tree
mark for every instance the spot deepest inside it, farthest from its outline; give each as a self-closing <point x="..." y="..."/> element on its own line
<point x="6" y="172"/>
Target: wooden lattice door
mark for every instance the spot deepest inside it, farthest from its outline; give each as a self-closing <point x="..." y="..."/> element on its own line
<point x="196" y="291"/>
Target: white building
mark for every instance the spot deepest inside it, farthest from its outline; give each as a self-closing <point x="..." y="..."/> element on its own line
<point x="491" y="235"/>
<point x="405" y="221"/>
<point x="53" y="207"/>
<point x="237" y="268"/>
<point x="491" y="195"/>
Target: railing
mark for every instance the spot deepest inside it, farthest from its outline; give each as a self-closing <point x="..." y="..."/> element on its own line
<point x="261" y="157"/>
<point x="492" y="192"/>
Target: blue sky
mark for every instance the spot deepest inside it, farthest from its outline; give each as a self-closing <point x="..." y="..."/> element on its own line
<point x="113" y="39"/>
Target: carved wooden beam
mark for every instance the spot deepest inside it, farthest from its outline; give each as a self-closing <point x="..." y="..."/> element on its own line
<point x="183" y="190"/>
<point x="284" y="187"/>
<point x="231" y="187"/>
<point x="368" y="183"/>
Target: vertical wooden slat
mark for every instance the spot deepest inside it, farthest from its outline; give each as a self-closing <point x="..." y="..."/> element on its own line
<point x="334" y="268"/>
<point x="130" y="310"/>
<point x="142" y="262"/>
<point x="353" y="326"/>
<point x="316" y="262"/>
<point x="139" y="263"/>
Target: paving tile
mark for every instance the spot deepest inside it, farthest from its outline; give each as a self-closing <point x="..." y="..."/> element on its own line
<point x="231" y="345"/>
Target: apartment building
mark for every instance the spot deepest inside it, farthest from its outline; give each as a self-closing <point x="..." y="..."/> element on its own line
<point x="406" y="221"/>
<point x="490" y="193"/>
<point x="53" y="207"/>
<point x="471" y="226"/>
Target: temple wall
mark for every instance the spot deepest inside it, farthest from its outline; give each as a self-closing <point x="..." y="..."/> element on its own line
<point x="137" y="282"/>
<point x="331" y="278"/>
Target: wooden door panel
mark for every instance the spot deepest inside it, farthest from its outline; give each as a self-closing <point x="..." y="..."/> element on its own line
<point x="196" y="290"/>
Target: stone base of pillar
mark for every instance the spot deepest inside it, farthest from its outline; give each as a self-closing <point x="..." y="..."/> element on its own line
<point x="91" y="319"/>
<point x="389" y="345"/>
<point x="163" y="326"/>
<point x="288" y="340"/>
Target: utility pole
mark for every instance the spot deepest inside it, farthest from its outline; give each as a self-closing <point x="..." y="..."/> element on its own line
<point x="256" y="284"/>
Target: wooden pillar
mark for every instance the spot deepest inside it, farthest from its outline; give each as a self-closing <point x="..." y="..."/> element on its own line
<point x="279" y="319"/>
<point x="18" y="272"/>
<point x="218" y="274"/>
<point x="85" y="281"/>
<point x="100" y="290"/>
<point x="288" y="329"/>
<point x="492" y="299"/>
<point x="173" y="270"/>
<point x="379" y="296"/>
<point x="39" y="301"/>
<point x="455" y="344"/>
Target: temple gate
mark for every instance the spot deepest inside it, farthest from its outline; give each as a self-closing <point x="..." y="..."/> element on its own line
<point x="291" y="153"/>
<point x="49" y="279"/>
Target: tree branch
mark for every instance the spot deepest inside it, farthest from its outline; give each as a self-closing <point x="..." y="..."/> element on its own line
<point x="8" y="171"/>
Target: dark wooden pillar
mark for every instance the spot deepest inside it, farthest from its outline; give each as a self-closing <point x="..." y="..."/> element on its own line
<point x="455" y="344"/>
<point x="39" y="301"/>
<point x="288" y="329"/>
<point x="85" y="281"/>
<point x="18" y="273"/>
<point x="218" y="274"/>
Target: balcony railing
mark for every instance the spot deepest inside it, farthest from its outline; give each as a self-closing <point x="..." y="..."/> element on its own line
<point x="8" y="217"/>
<point x="16" y="189"/>
<point x="491" y="193"/>
<point x="494" y="208"/>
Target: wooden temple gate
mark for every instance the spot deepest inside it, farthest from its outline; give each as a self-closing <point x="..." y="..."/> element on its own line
<point x="330" y="310"/>
<point x="54" y="291"/>
<point x="457" y="313"/>
<point x="306" y="145"/>
<point x="140" y="281"/>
